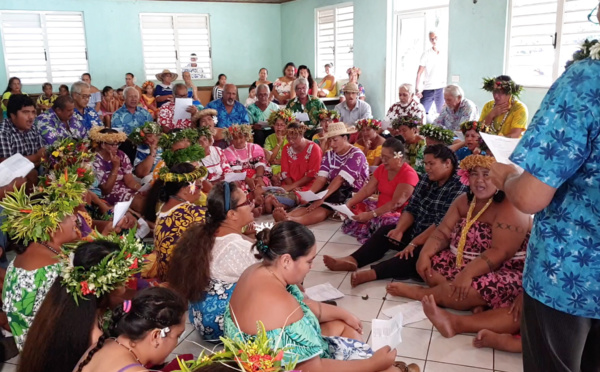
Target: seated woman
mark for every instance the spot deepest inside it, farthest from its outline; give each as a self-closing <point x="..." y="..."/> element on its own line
<point x="326" y="117"/>
<point x="472" y="144"/>
<point x="178" y="189"/>
<point x="112" y="167"/>
<point x="214" y="158"/>
<point x="282" y="87"/>
<point x="147" y="99"/>
<point x="505" y="115"/>
<point x="370" y="140"/>
<point x="148" y="153"/>
<point x="407" y="127"/>
<point x="300" y="164"/>
<point x="208" y="118"/>
<point x="30" y="275"/>
<point x="395" y="182"/>
<point x="327" y="85"/>
<point x="322" y="337"/>
<point x="143" y="331"/>
<point x="353" y="75"/>
<point x="407" y="105"/>
<point x="210" y="258"/>
<point x="86" y="290"/>
<point x="344" y="170"/>
<point x="472" y="259"/>
<point x="435" y="135"/>
<point x="430" y="201"/>
<point x="278" y="120"/>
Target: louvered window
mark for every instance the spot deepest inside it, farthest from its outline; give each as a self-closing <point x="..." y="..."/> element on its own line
<point x="44" y="47"/>
<point x="178" y="42"/>
<point x="335" y="38"/>
<point x="543" y="35"/>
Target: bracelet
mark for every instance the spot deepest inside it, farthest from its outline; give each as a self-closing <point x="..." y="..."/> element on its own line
<point x="374" y="214"/>
<point x="411" y="244"/>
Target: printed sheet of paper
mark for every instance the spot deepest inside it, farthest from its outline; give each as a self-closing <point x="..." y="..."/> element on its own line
<point x="501" y="147"/>
<point x="143" y="229"/>
<point x="181" y="104"/>
<point x="386" y="332"/>
<point x="301" y="116"/>
<point x="308" y="196"/>
<point x="232" y="177"/>
<point x="119" y="212"/>
<point x="14" y="167"/>
<point x="342" y="208"/>
<point x="412" y="312"/>
<point x="323" y="292"/>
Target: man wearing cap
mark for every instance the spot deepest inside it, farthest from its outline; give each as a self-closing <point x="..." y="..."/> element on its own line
<point x="164" y="91"/>
<point x="353" y="109"/>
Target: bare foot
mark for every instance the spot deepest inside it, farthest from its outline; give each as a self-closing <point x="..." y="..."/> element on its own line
<point x="403" y="290"/>
<point x="257" y="212"/>
<point x="360" y="277"/>
<point x="340" y="264"/>
<point x="441" y="319"/>
<point x="279" y="214"/>
<point x="498" y="341"/>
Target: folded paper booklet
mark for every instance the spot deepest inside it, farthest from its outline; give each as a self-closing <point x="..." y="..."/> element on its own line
<point x="232" y="177"/>
<point x="323" y="292"/>
<point x="301" y="116"/>
<point x="181" y="105"/>
<point x="342" y="208"/>
<point x="501" y="147"/>
<point x="308" y="196"/>
<point x="386" y="332"/>
<point x="14" y="167"/>
<point x="120" y="210"/>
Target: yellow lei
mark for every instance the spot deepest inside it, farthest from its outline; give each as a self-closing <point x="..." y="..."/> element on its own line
<point x="469" y="222"/>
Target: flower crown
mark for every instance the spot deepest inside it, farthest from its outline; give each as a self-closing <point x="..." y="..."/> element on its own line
<point x="253" y="354"/>
<point x="206" y="112"/>
<point x="167" y="176"/>
<point x="204" y="132"/>
<point x="112" y="272"/>
<point x="190" y="154"/>
<point x="138" y="135"/>
<point x="353" y="69"/>
<point x="325" y="114"/>
<point x="508" y="87"/>
<point x="244" y="129"/>
<point x="70" y="154"/>
<point x="471" y="162"/>
<point x="96" y="136"/>
<point x="475" y="125"/>
<point x="35" y="217"/>
<point x="370" y="123"/>
<point x="284" y="114"/>
<point x="437" y="133"/>
<point x="146" y="84"/>
<point x="589" y="49"/>
<point x="167" y="140"/>
<point x="300" y="130"/>
<point x="409" y="121"/>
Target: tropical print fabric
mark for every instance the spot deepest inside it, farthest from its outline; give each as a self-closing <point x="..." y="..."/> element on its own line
<point x="562" y="149"/>
<point x="415" y="153"/>
<point x="207" y="315"/>
<point x="312" y="108"/>
<point x="22" y="296"/>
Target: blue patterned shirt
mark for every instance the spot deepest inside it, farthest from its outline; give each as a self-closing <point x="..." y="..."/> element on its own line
<point x="53" y="129"/>
<point x="238" y="115"/>
<point x="562" y="149"/>
<point x="143" y="151"/>
<point x="124" y="120"/>
<point x="467" y="110"/>
<point x="89" y="118"/>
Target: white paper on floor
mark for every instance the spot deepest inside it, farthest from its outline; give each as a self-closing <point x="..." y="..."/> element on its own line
<point x="386" y="332"/>
<point x="323" y="292"/>
<point x="412" y="312"/>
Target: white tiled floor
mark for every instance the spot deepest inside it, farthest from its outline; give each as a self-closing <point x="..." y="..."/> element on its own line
<point x="421" y="344"/>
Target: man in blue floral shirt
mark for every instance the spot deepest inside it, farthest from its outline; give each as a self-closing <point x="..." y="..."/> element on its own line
<point x="58" y="123"/>
<point x="86" y="115"/>
<point x="560" y="153"/>
<point x="229" y="110"/>
<point x="130" y="116"/>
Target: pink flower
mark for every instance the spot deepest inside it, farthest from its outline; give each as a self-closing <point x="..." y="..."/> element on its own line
<point x="464" y="176"/>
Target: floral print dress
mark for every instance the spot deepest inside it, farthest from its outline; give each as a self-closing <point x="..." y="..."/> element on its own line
<point x="102" y="168"/>
<point x="247" y="160"/>
<point x="22" y="296"/>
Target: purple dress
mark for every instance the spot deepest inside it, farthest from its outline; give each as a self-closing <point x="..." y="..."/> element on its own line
<point x="352" y="167"/>
<point x="120" y="192"/>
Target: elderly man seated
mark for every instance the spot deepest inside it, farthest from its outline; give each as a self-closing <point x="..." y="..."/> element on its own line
<point x="80" y="91"/>
<point x="229" y="110"/>
<point x="353" y="109"/>
<point x="130" y="116"/>
<point x="166" y="113"/>
<point x="303" y="103"/>
<point x="58" y="122"/>
<point x="259" y="111"/>
<point x="457" y="109"/>
<point x="407" y="106"/>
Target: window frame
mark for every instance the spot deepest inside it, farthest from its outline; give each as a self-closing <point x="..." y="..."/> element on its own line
<point x="42" y="14"/>
<point x="178" y="53"/>
<point x="339" y="75"/>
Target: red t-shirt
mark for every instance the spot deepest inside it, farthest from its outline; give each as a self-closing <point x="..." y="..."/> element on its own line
<point x="307" y="163"/>
<point x="386" y="187"/>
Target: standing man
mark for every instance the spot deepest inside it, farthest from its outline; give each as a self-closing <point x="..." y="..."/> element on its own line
<point x="432" y="68"/>
<point x="560" y="155"/>
<point x="229" y="110"/>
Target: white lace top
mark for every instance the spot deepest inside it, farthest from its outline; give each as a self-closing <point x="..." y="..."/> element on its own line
<point x="232" y="254"/>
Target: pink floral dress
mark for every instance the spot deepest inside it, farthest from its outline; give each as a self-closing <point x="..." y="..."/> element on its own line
<point x="247" y="160"/>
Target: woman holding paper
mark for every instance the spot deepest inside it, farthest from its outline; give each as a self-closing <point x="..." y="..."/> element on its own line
<point x="395" y="180"/>
<point x="344" y="170"/>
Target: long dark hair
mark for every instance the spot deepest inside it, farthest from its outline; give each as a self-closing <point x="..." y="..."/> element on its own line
<point x="189" y="270"/>
<point x="310" y="78"/>
<point x="162" y="191"/>
<point x="219" y="79"/>
<point x="288" y="65"/>
<point x="443" y="152"/>
<point x="61" y="329"/>
<point x="286" y="237"/>
<point x="151" y="308"/>
<point x="10" y="82"/>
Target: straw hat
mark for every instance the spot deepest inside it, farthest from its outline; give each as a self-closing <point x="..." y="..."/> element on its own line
<point x="338" y="129"/>
<point x="159" y="76"/>
<point x="202" y="113"/>
<point x="351" y="88"/>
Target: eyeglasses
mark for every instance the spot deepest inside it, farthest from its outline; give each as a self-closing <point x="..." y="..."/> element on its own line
<point x="84" y="96"/>
<point x="593" y="16"/>
<point x="247" y="202"/>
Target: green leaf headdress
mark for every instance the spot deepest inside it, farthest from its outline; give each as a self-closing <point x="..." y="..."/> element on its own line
<point x="437" y="133"/>
<point x="409" y="121"/>
<point x="138" y="135"/>
<point x="506" y="86"/>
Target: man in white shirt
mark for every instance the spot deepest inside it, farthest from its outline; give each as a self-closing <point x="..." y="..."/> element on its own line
<point x="353" y="109"/>
<point x="432" y="68"/>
